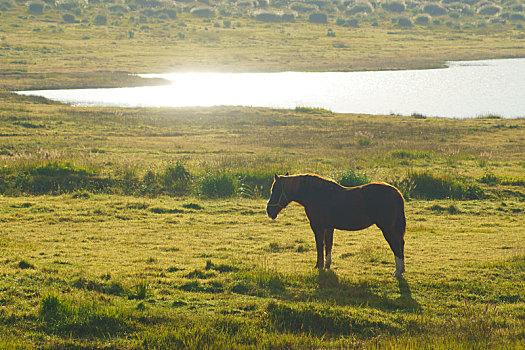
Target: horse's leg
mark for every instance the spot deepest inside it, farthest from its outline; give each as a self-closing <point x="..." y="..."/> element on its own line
<point x="328" y="242"/>
<point x="319" y="242"/>
<point x="397" y="244"/>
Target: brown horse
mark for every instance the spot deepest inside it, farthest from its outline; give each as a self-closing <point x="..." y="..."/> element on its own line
<point x="330" y="206"/>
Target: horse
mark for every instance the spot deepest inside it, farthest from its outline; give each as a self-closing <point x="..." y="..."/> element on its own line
<point x="330" y="206"/>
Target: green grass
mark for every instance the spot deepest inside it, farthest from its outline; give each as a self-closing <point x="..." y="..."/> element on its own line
<point x="146" y="228"/>
<point x="105" y="268"/>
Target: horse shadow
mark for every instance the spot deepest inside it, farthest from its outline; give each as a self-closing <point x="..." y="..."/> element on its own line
<point x="340" y="291"/>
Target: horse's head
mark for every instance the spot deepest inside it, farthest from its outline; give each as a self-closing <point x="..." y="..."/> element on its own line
<point x="278" y="200"/>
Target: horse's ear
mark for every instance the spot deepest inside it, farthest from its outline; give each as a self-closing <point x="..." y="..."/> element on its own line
<point x="276" y="177"/>
<point x="287" y="174"/>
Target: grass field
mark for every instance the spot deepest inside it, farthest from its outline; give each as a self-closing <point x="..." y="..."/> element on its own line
<point x="146" y="228"/>
<point x="116" y="267"/>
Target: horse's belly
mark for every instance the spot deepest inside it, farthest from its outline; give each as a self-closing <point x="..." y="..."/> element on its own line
<point x="351" y="222"/>
<point x="352" y="226"/>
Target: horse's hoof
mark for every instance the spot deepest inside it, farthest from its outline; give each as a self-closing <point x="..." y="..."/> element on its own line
<point x="398" y="274"/>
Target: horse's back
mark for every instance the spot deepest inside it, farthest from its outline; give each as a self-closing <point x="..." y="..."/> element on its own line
<point x="382" y="201"/>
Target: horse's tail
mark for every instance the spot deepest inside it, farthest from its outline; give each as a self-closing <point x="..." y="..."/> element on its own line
<point x="401" y="223"/>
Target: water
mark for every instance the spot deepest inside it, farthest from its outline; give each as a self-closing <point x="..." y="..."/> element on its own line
<point x="463" y="90"/>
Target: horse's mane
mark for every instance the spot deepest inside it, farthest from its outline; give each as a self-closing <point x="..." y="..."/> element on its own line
<point x="312" y="182"/>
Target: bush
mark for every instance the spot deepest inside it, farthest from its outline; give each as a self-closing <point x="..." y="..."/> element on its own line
<point x="270" y="17"/>
<point x="203" y="12"/>
<point x="36" y="8"/>
<point x="176" y="179"/>
<point x="302" y="7"/>
<point x="68" y="18"/>
<point x="288" y="17"/>
<point x="394" y="6"/>
<point x="216" y="185"/>
<point x="490" y="179"/>
<point x="489" y="10"/>
<point x="100" y="20"/>
<point x="352" y="178"/>
<point x="422" y="20"/>
<point x="363" y="140"/>
<point x="517" y="17"/>
<point x="318" y="17"/>
<point x="364" y="7"/>
<point x="255" y="184"/>
<point x="404" y="22"/>
<point x="118" y="8"/>
<point x="434" y="10"/>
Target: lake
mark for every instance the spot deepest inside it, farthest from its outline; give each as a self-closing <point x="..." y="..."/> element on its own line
<point x="464" y="89"/>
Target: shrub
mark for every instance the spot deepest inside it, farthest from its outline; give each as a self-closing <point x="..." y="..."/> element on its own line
<point x="68" y="18"/>
<point x="255" y="184"/>
<point x="203" y="12"/>
<point x="434" y="10"/>
<point x="118" y="8"/>
<point x="151" y="183"/>
<point x="246" y="3"/>
<point x="352" y="178"/>
<point x="100" y="20"/>
<point x="303" y="7"/>
<point x="25" y="265"/>
<point x="363" y="7"/>
<point x="176" y="179"/>
<point x="394" y="6"/>
<point x="270" y="17"/>
<point x="68" y="6"/>
<point x="490" y="179"/>
<point x="318" y="17"/>
<point x="363" y="140"/>
<point x="216" y="185"/>
<point x="288" y="17"/>
<point x="422" y="20"/>
<point x="489" y="10"/>
<point x="35" y="8"/>
<point x="517" y="17"/>
<point x="404" y="22"/>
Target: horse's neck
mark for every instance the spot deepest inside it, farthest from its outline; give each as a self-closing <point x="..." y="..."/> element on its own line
<point x="302" y="193"/>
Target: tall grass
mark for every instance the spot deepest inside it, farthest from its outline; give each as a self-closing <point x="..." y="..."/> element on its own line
<point x="81" y="318"/>
<point x="428" y="185"/>
<point x="323" y="320"/>
<point x="61" y="176"/>
<point x="217" y="185"/>
<point x="57" y="177"/>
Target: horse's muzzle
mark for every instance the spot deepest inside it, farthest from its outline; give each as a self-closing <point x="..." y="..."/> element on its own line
<point x="272" y="212"/>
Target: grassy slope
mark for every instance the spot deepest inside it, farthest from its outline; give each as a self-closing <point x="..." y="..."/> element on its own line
<point x="136" y="266"/>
